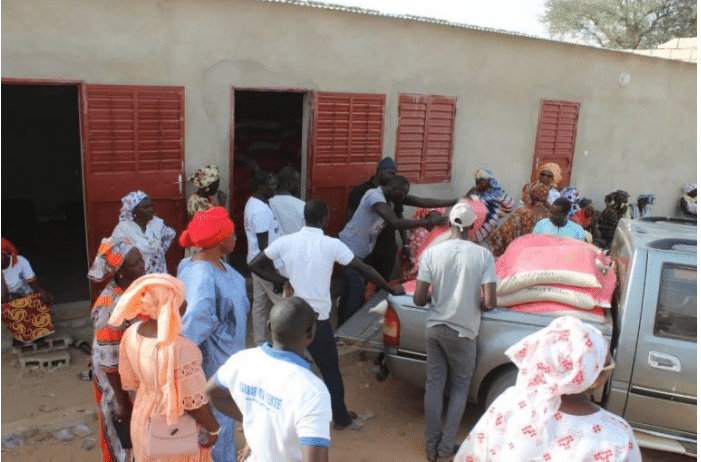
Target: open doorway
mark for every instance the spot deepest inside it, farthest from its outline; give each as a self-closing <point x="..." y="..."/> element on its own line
<point x="42" y="186"/>
<point x="269" y="134"/>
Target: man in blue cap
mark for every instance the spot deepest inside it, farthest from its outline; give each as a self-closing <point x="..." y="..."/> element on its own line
<point x="383" y="256"/>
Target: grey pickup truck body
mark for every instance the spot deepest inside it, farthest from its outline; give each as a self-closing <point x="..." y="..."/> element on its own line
<point x="651" y="326"/>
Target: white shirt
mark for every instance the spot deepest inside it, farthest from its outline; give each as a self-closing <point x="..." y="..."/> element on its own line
<point x="16" y="276"/>
<point x="456" y="269"/>
<point x="289" y="212"/>
<point x="308" y="257"/>
<point x="284" y="405"/>
<point x="259" y="218"/>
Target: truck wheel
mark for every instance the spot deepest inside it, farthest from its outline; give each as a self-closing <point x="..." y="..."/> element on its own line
<point x="501" y="382"/>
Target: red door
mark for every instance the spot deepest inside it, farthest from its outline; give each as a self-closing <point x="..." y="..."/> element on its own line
<point x="347" y="132"/>
<point x="555" y="140"/>
<point x="133" y="138"/>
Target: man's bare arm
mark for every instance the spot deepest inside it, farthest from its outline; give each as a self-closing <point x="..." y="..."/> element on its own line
<point x="221" y="399"/>
<point x="421" y="295"/>
<point x="490" y="296"/>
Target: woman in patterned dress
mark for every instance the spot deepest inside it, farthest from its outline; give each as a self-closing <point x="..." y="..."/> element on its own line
<point x="498" y="202"/>
<point x="149" y="233"/>
<point x="161" y="366"/>
<point x="119" y="259"/>
<point x="549" y="415"/>
<point x="522" y="221"/>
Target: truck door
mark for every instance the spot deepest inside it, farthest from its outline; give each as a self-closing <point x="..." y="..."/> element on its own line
<point x="662" y="392"/>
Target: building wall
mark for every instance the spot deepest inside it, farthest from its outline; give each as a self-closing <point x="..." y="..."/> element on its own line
<point x="641" y="138"/>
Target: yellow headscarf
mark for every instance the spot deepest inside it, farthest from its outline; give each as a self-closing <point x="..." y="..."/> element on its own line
<point x="553" y="168"/>
<point x="158" y="296"/>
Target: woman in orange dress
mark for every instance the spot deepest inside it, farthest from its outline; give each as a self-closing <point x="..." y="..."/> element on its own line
<point x="522" y="221"/>
<point x="162" y="366"/>
<point x="120" y="260"/>
<point x="550" y="175"/>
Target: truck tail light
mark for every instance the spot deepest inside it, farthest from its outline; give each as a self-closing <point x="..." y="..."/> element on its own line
<point x="390" y="328"/>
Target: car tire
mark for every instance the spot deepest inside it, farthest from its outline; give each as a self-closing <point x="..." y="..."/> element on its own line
<point x="501" y="382"/>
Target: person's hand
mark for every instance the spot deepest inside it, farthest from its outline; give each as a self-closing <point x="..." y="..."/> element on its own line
<point x="206" y="439"/>
<point x="398" y="290"/>
<point x="436" y="221"/>
<point x="122" y="407"/>
<point x="243" y="454"/>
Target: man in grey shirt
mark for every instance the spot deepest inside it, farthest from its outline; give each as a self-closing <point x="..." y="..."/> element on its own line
<point x="360" y="235"/>
<point x="460" y="271"/>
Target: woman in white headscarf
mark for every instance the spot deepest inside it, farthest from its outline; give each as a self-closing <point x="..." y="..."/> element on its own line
<point x="548" y="415"/>
<point x="138" y="223"/>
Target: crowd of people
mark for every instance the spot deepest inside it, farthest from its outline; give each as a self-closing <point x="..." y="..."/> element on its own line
<point x="170" y="367"/>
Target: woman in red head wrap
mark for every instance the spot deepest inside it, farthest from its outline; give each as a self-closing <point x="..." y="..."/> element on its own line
<point x="25" y="309"/>
<point x="217" y="304"/>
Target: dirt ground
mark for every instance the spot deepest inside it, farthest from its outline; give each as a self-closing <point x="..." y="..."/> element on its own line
<point x="394" y="433"/>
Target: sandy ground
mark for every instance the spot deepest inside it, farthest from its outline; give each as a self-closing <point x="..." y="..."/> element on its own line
<point x="394" y="434"/>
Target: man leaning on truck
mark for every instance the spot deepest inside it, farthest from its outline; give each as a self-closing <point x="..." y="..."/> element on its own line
<point x="459" y="271"/>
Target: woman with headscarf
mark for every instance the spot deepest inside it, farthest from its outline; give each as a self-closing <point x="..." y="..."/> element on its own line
<point x="587" y="218"/>
<point x="641" y="208"/>
<point x="218" y="306"/>
<point x="548" y="415"/>
<point x="497" y="201"/>
<point x="162" y="366"/>
<point x="571" y="193"/>
<point x="208" y="195"/>
<point x="149" y="233"/>
<point x="25" y="304"/>
<point x="522" y="221"/>
<point x="616" y="208"/>
<point x="687" y="203"/>
<point x="119" y="260"/>
<point x="550" y="175"/>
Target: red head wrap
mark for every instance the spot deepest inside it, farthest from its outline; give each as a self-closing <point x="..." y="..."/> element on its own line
<point x="207" y="228"/>
<point x="9" y="249"/>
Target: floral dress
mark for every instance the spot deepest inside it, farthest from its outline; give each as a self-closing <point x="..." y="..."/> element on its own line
<point x="105" y="359"/>
<point x="141" y="367"/>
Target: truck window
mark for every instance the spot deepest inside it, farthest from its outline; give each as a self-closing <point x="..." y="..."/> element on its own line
<point x="676" y="304"/>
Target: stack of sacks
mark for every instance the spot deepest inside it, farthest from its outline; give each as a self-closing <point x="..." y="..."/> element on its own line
<point x="556" y="276"/>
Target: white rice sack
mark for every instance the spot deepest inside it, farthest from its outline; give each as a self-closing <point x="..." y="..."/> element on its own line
<point x="547" y="294"/>
<point x="541" y="277"/>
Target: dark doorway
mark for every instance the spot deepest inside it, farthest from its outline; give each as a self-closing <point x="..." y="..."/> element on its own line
<point x="268" y="133"/>
<point x="42" y="187"/>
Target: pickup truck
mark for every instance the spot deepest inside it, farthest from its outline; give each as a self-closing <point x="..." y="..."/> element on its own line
<point x="651" y="326"/>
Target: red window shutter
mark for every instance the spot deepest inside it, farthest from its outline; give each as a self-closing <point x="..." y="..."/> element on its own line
<point x="425" y="137"/>
<point x="556" y="136"/>
<point x="347" y="144"/>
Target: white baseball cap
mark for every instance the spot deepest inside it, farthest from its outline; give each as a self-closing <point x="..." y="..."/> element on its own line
<point x="462" y="216"/>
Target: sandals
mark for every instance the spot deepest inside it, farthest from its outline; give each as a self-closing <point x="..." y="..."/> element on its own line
<point x="341" y="425"/>
<point x="86" y="375"/>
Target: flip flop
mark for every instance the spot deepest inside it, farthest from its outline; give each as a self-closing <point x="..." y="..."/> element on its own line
<point x="86" y="375"/>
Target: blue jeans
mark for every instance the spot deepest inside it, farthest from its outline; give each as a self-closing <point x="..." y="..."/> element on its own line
<point x="352" y="294"/>
<point x="325" y="355"/>
<point x="446" y="355"/>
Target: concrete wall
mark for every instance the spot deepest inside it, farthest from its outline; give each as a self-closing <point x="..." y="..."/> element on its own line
<point x="641" y="138"/>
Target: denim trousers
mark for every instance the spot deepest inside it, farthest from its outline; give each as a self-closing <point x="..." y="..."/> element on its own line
<point x="447" y="356"/>
<point x="352" y="294"/>
<point x="325" y="354"/>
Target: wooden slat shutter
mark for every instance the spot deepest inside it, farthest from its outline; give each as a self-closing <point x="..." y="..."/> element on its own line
<point x="133" y="138"/>
<point x="347" y="137"/>
<point x="425" y="137"/>
<point x="556" y="136"/>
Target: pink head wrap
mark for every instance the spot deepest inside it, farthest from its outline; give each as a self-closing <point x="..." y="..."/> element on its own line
<point x="158" y="296"/>
<point x="564" y="358"/>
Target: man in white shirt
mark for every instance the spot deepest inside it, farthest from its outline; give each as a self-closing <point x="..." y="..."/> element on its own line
<point x="285" y="409"/>
<point x="558" y="224"/>
<point x="286" y="204"/>
<point x="308" y="257"/>
<point x="460" y="271"/>
<point x="262" y="228"/>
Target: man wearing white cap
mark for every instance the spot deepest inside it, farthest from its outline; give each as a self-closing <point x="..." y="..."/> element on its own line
<point x="464" y="278"/>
